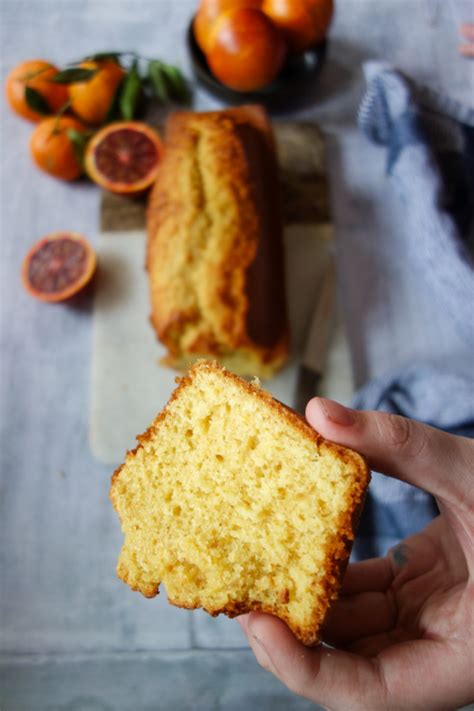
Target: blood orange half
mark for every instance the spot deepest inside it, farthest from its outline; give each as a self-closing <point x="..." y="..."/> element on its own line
<point x="123" y="157"/>
<point x="58" y="266"/>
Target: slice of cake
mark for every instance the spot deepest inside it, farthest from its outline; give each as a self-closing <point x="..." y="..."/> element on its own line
<point x="235" y="504"/>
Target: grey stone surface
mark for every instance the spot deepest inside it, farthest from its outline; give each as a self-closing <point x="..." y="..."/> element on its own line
<point x="59" y="537"/>
<point x="217" y="632"/>
<point x="184" y="681"/>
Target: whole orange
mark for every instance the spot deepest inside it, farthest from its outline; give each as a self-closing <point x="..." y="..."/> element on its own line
<point x="36" y="74"/>
<point x="52" y="149"/>
<point x="91" y="100"/>
<point x="209" y="11"/>
<point x="303" y="22"/>
<point x="246" y="50"/>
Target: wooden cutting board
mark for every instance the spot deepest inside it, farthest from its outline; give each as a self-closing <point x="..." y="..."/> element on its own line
<point x="129" y="386"/>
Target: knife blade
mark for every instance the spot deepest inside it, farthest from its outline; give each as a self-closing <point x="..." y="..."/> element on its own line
<point x="317" y="342"/>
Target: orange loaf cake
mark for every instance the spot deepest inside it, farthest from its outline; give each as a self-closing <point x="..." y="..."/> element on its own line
<point x="235" y="503"/>
<point x="215" y="250"/>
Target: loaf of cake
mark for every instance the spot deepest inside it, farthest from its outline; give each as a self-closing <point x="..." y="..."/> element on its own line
<point x="215" y="251"/>
<point x="235" y="503"/>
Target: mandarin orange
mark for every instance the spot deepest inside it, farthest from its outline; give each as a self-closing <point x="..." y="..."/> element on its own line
<point x="52" y="148"/>
<point x="91" y="100"/>
<point x="37" y="75"/>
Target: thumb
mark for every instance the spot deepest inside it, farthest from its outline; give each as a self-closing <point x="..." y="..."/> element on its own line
<point x="326" y="676"/>
<point x="424" y="456"/>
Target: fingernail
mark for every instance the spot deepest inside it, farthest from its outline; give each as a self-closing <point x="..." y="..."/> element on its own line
<point x="337" y="413"/>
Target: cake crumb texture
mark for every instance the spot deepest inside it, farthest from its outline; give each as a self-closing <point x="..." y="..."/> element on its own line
<point x="235" y="504"/>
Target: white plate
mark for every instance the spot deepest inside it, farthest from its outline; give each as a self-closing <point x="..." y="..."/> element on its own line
<point x="129" y="386"/>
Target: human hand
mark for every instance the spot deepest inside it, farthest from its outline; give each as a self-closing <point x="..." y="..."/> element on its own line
<point x="467" y="49"/>
<point x="402" y="628"/>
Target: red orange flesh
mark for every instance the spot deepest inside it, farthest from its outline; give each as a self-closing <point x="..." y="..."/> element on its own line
<point x="58" y="266"/>
<point x="123" y="157"/>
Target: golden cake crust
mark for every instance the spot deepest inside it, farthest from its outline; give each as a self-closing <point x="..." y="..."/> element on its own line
<point x="215" y="251"/>
<point x="336" y="563"/>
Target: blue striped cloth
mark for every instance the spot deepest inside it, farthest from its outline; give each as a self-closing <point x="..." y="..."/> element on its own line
<point x="429" y="141"/>
<point x="429" y="394"/>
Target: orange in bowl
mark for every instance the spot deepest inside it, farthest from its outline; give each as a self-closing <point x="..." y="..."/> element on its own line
<point x="246" y="50"/>
<point x="302" y="22"/>
<point x="207" y="14"/>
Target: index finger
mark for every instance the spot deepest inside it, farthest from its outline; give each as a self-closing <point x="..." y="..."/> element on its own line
<point x="421" y="455"/>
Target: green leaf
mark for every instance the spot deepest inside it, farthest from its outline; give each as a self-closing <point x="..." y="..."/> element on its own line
<point x="130" y="93"/>
<point x="64" y="108"/>
<point x="158" y="80"/>
<point x="178" y="88"/>
<point x="167" y="82"/>
<point x="36" y="101"/>
<point x="79" y="142"/>
<point x="73" y="75"/>
<point x="103" y="56"/>
<point x="31" y="75"/>
<point x="114" y="114"/>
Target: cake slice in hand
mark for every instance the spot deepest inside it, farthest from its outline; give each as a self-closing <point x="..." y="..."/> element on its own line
<point x="235" y="504"/>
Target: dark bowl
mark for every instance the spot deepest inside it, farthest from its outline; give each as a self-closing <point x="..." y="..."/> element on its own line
<point x="294" y="87"/>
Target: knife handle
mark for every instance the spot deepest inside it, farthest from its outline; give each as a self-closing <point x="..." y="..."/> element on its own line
<point x="315" y="352"/>
<point x="306" y="387"/>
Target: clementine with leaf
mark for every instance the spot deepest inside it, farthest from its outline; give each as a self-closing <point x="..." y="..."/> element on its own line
<point x="31" y="92"/>
<point x="53" y="146"/>
<point x="91" y="99"/>
<point x="207" y="14"/>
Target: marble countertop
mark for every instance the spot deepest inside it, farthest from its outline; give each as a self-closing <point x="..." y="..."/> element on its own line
<point x="71" y="636"/>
